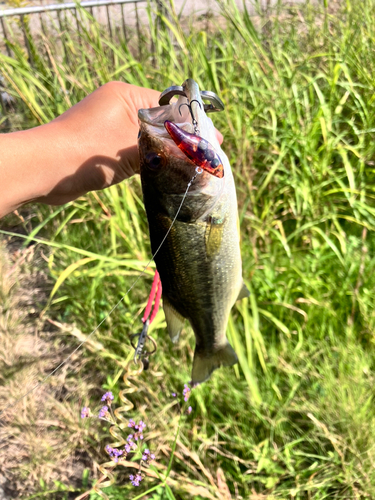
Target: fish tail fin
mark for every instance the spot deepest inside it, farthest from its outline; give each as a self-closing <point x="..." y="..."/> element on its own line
<point x="204" y="364"/>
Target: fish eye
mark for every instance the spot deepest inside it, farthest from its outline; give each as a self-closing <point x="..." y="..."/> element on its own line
<point x="154" y="160"/>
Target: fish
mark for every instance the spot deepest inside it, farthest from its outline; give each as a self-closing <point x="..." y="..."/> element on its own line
<point x="199" y="262"/>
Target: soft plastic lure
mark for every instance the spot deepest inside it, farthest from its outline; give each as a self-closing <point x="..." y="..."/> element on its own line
<point x="197" y="149"/>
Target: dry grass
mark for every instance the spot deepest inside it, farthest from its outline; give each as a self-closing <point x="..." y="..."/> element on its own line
<point x="36" y="434"/>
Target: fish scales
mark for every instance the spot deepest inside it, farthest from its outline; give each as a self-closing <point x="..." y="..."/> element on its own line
<point x="199" y="262"/>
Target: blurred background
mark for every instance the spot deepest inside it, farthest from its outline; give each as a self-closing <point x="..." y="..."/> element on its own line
<point x="295" y="418"/>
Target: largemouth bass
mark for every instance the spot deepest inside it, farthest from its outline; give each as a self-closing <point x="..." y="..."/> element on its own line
<point x="199" y="262"/>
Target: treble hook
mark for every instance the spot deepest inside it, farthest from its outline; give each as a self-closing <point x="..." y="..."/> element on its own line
<point x="194" y="121"/>
<point x="141" y="341"/>
<point x="143" y="337"/>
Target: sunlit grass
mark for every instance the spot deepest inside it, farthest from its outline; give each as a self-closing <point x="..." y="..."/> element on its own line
<point x="295" y="417"/>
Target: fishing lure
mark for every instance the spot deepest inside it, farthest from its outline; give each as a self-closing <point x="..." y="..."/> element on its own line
<point x="197" y="149"/>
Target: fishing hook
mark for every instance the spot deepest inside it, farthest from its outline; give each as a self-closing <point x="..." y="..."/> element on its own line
<point x="216" y="104"/>
<point x="194" y="121"/>
<point x="143" y="337"/>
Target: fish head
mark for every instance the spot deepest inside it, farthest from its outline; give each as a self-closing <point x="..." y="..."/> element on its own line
<point x="162" y="163"/>
<point x="166" y="169"/>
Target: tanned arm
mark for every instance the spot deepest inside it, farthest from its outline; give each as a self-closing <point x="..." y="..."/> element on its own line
<point x="91" y="146"/>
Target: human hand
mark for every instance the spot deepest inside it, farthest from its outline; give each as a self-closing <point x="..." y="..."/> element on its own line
<point x="91" y="146"/>
<point x="101" y="135"/>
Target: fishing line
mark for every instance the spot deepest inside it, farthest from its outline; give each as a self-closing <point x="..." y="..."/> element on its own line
<point x="198" y="171"/>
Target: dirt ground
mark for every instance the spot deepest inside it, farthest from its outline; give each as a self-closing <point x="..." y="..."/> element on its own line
<point x="33" y="441"/>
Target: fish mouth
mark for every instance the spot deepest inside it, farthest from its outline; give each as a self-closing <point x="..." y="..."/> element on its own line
<point x="187" y="112"/>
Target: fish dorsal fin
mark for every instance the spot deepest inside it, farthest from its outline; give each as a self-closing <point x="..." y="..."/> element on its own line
<point x="244" y="292"/>
<point x="175" y="321"/>
<point x="214" y="235"/>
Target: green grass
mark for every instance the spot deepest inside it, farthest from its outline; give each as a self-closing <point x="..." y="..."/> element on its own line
<point x="295" y="418"/>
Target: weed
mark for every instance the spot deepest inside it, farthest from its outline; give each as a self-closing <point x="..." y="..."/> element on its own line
<point x="295" y="417"/>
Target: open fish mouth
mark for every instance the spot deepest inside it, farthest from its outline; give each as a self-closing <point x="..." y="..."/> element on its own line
<point x="187" y="124"/>
<point x="178" y="112"/>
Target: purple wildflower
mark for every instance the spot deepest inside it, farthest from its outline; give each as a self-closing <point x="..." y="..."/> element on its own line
<point x="147" y="456"/>
<point x="108" y="397"/>
<point x="186" y="392"/>
<point x="174" y="394"/>
<point x="135" y="480"/>
<point x="140" y="426"/>
<point x="189" y="410"/>
<point x="130" y="445"/>
<point x="85" y="412"/>
<point x="108" y="449"/>
<point x="114" y="453"/>
<point x="103" y="412"/>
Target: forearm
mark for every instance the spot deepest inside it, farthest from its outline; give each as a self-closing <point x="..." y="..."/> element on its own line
<point x="32" y="163"/>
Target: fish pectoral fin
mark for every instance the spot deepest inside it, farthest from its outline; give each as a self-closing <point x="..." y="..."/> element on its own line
<point x="205" y="364"/>
<point x="244" y="292"/>
<point x="175" y="321"/>
<point x="214" y="235"/>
